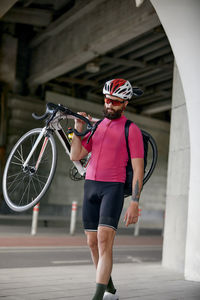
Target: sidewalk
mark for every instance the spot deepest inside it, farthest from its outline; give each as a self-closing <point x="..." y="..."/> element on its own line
<point x="142" y="281"/>
<point x="133" y="281"/>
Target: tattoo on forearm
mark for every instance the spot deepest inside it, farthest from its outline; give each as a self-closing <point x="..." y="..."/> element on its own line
<point x="136" y="192"/>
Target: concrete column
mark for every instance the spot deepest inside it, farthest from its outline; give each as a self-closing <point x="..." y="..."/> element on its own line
<point x="177" y="181"/>
<point x="180" y="19"/>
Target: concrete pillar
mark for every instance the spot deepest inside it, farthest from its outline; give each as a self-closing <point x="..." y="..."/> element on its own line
<point x="180" y="19"/>
<point x="177" y="181"/>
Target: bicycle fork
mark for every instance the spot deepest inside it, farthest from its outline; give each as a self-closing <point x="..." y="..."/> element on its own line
<point x="41" y="151"/>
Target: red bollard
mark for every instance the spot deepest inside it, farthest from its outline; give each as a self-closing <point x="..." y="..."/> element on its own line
<point x="73" y="217"/>
<point x="35" y="219"/>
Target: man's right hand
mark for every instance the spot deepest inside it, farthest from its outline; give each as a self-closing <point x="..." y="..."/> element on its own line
<point x="79" y="123"/>
<point x="77" y="150"/>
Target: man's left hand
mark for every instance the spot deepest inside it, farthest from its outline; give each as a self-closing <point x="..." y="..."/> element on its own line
<point x="132" y="213"/>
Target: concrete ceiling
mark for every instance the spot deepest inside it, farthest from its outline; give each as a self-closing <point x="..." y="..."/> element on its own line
<point x="73" y="47"/>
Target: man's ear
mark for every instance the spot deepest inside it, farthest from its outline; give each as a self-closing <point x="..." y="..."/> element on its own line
<point x="126" y="103"/>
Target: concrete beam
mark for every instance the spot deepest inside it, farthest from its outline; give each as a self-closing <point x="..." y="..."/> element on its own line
<point x="77" y="81"/>
<point x="150" y="48"/>
<point x="58" y="88"/>
<point x="152" y="95"/>
<point x="96" y="32"/>
<point x="155" y="36"/>
<point x="27" y="3"/>
<point x="158" y="53"/>
<point x="157" y="107"/>
<point x="71" y="16"/>
<point x="5" y="5"/>
<point x="122" y="62"/>
<point x="31" y="16"/>
<point x="160" y="77"/>
<point x="141" y="43"/>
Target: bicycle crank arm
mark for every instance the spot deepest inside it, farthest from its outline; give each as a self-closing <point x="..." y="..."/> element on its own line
<point x="79" y="167"/>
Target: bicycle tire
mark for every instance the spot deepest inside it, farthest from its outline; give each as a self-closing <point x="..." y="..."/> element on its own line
<point x="152" y="143"/>
<point x="30" y="181"/>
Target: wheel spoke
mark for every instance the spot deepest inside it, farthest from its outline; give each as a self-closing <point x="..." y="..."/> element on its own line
<point x="23" y="195"/>
<point x="33" y="138"/>
<point x="34" y="187"/>
<point x="14" y="163"/>
<point x="13" y="175"/>
<point x="41" y="175"/>
<point x="20" y="182"/>
<point x="29" y="183"/>
<point x="15" y="180"/>
<point x="43" y="161"/>
<point x="18" y="158"/>
<point x="39" y="181"/>
<point x="21" y="153"/>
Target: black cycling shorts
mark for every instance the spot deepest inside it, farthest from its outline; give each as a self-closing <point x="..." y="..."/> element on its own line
<point x="102" y="204"/>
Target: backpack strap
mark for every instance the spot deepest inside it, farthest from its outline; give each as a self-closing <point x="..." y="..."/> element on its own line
<point x="127" y="125"/>
<point x="93" y="130"/>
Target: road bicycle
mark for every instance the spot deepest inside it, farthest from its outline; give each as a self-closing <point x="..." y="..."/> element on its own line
<point x="31" y="164"/>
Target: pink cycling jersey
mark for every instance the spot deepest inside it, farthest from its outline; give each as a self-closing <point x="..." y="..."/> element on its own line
<point x="109" y="155"/>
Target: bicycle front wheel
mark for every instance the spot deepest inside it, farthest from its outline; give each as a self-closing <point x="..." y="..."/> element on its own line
<point x="24" y="186"/>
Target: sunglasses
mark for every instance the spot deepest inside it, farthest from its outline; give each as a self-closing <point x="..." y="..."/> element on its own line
<point x="114" y="102"/>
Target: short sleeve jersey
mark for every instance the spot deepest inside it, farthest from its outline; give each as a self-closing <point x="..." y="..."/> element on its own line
<point x="108" y="149"/>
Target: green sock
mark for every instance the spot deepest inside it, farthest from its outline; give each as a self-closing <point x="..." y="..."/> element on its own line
<point x="100" y="290"/>
<point x="110" y="287"/>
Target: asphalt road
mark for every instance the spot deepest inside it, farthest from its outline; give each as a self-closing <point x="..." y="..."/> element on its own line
<point x="15" y="257"/>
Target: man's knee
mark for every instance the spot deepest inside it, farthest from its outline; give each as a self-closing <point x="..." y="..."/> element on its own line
<point x="105" y="239"/>
<point x="92" y="240"/>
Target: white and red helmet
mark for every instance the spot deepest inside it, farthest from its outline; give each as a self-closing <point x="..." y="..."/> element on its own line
<point x="121" y="88"/>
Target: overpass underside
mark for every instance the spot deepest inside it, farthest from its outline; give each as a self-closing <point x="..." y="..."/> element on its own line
<point x="63" y="51"/>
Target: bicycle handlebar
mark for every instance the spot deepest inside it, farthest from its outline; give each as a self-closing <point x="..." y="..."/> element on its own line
<point x="52" y="109"/>
<point x="43" y="117"/>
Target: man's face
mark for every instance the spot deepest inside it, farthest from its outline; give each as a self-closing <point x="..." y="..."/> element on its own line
<point x="113" y="110"/>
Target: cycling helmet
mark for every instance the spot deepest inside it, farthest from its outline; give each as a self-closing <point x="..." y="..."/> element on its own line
<point x="121" y="88"/>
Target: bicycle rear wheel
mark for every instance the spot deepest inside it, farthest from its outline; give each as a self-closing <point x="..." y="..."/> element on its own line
<point x="24" y="186"/>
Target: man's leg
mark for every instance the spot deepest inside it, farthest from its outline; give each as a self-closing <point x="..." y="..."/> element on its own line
<point x="92" y="242"/>
<point x="100" y="207"/>
<point x="105" y="237"/>
<point x="93" y="245"/>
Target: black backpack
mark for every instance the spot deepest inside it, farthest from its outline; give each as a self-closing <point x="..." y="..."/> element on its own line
<point x="147" y="140"/>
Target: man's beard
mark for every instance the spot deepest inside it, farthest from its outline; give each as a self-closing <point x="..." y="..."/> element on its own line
<point x="112" y="115"/>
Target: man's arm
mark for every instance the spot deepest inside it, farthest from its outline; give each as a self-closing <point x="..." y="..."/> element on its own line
<point x="138" y="169"/>
<point x="77" y="150"/>
<point x="132" y="213"/>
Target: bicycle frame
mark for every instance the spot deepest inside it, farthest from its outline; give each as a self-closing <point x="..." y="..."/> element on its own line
<point x="55" y="126"/>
